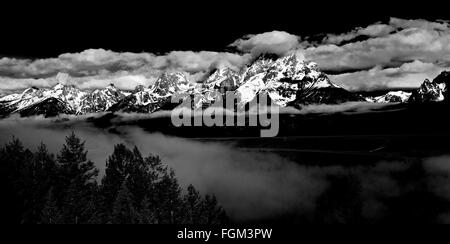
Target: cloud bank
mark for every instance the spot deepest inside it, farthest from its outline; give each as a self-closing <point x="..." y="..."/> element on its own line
<point x="401" y="53"/>
<point x="276" y="42"/>
<point x="96" y="68"/>
<point x="408" y="75"/>
<point x="388" y="45"/>
<point x="398" y="53"/>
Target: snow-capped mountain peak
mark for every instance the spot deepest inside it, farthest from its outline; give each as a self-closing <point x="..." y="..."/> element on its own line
<point x="285" y="80"/>
<point x="288" y="81"/>
<point x="432" y="91"/>
<point x="169" y="83"/>
<point x="391" y="97"/>
<point x="101" y="99"/>
<point x="224" y="79"/>
<point x="58" y="86"/>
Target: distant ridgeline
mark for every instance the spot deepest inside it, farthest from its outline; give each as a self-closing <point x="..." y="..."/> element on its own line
<point x="287" y="81"/>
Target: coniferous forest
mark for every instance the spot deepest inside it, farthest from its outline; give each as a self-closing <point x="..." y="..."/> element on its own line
<point x="41" y="188"/>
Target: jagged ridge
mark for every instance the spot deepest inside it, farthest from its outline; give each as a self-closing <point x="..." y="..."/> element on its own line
<point x="288" y="81"/>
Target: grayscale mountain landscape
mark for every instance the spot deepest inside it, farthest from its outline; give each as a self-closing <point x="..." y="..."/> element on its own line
<point x="87" y="134"/>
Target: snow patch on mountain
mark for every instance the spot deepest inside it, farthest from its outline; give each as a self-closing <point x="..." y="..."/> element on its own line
<point x="432" y="91"/>
<point x="283" y="79"/>
<point x="391" y="97"/>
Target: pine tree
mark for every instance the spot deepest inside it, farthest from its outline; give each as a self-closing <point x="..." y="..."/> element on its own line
<point x="41" y="172"/>
<point x="146" y="213"/>
<point x="123" y="211"/>
<point x="141" y="177"/>
<point x="15" y="159"/>
<point x="78" y="180"/>
<point x="80" y="205"/>
<point x="15" y="180"/>
<point x="43" y="163"/>
<point x="73" y="161"/>
<point x="50" y="213"/>
<point x="169" y="202"/>
<point x="117" y="168"/>
<point x="193" y="205"/>
<point x="92" y="213"/>
<point x="135" y="189"/>
<point x="212" y="213"/>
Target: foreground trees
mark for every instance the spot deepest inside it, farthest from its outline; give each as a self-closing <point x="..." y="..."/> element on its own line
<point x="41" y="188"/>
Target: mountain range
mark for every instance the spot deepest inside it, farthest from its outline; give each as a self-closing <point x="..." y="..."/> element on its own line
<point x="288" y="81"/>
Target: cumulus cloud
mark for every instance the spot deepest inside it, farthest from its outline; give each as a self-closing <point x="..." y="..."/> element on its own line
<point x="122" y="81"/>
<point x="193" y="62"/>
<point x="374" y="30"/>
<point x="13" y="84"/>
<point x="276" y="42"/>
<point x="364" y="58"/>
<point x="88" y="62"/>
<point x="95" y="68"/>
<point x="389" y="45"/>
<point x="408" y="75"/>
<point x="400" y="53"/>
<point x="419" y="23"/>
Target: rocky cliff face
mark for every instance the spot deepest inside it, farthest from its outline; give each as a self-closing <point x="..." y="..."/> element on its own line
<point x="432" y="91"/>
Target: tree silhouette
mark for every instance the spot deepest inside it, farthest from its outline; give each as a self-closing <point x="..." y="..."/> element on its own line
<point x="51" y="214"/>
<point x="117" y="168"/>
<point x="193" y="204"/>
<point x="134" y="190"/>
<point x="78" y="184"/>
<point x="15" y="181"/>
<point x="41" y="173"/>
<point x="123" y="211"/>
<point x="212" y="213"/>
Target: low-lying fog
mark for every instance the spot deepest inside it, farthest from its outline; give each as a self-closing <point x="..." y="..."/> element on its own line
<point x="250" y="185"/>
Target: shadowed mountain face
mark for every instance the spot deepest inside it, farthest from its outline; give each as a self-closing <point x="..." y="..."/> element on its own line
<point x="49" y="107"/>
<point x="432" y="91"/>
<point x="326" y="95"/>
<point x="443" y="78"/>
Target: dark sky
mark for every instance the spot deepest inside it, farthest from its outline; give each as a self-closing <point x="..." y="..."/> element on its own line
<point x="47" y="29"/>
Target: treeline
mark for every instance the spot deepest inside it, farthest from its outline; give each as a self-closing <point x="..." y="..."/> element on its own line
<point x="38" y="187"/>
